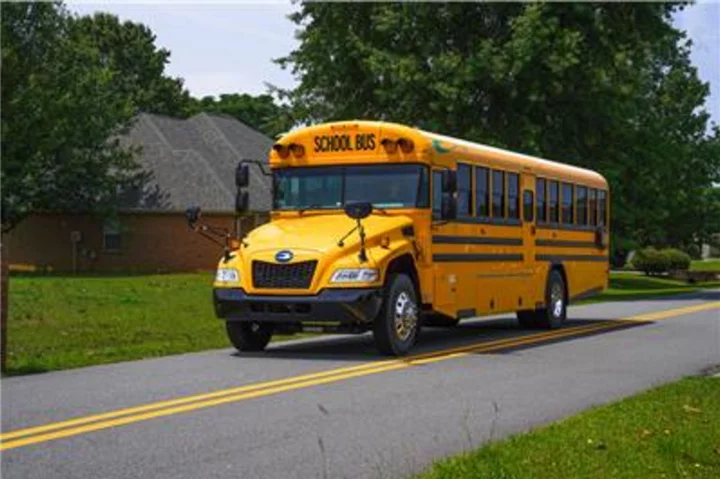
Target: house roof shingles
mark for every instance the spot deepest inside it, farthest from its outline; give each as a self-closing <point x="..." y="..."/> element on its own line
<point x="193" y="161"/>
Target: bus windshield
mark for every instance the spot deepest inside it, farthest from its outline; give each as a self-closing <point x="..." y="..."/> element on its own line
<point x="330" y="187"/>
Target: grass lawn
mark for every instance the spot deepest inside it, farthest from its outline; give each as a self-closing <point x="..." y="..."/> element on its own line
<point x="705" y="265"/>
<point x="60" y="322"/>
<point x="672" y="431"/>
<point x="631" y="286"/>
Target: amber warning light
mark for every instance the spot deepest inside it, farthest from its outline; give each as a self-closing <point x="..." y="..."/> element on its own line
<point x="283" y="151"/>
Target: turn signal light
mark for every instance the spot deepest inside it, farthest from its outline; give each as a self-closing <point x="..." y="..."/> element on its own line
<point x="390" y="146"/>
<point x="282" y="150"/>
<point x="406" y="145"/>
<point x="234" y="244"/>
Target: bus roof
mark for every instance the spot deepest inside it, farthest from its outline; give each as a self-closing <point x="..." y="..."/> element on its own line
<point x="445" y="149"/>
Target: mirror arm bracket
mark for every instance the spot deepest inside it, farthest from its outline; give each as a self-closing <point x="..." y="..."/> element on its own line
<point x="260" y="165"/>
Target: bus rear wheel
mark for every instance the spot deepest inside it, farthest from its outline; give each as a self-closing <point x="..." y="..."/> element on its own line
<point x="249" y="336"/>
<point x="396" y="326"/>
<point x="555" y="310"/>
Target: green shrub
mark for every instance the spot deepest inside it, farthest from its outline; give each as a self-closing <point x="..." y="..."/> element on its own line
<point x="652" y="261"/>
<point x="677" y="260"/>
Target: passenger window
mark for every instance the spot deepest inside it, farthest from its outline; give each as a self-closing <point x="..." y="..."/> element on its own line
<point x="602" y="208"/>
<point x="437" y="180"/>
<point x="540" y="190"/>
<point x="554" y="206"/>
<point x="567" y="203"/>
<point x="482" y="192"/>
<point x="464" y="189"/>
<point x="581" y="205"/>
<point x="513" y="195"/>
<point x="593" y="207"/>
<point x="528" y="207"/>
<point x="498" y="194"/>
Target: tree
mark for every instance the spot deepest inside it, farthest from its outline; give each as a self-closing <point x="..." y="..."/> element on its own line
<point x="608" y="87"/>
<point x="258" y="112"/>
<point x="61" y="113"/>
<point x="129" y="50"/>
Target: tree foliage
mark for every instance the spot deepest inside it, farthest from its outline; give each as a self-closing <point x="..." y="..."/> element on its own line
<point x="129" y="50"/>
<point x="604" y="86"/>
<point x="70" y="86"/>
<point x="258" y="112"/>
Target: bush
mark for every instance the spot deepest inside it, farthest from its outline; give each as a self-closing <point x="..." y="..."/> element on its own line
<point x="652" y="261"/>
<point x="677" y="260"/>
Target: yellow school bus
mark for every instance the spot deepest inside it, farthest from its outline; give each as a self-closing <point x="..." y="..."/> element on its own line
<point x="386" y="228"/>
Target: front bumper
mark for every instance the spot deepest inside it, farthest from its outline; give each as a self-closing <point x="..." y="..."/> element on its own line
<point x="346" y="306"/>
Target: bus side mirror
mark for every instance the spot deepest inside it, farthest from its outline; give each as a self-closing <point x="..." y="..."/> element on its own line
<point x="242" y="202"/>
<point x="192" y="214"/>
<point x="449" y="181"/>
<point x="448" y="206"/>
<point x="242" y="175"/>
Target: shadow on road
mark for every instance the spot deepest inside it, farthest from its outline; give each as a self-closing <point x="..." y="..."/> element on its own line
<point x="436" y="340"/>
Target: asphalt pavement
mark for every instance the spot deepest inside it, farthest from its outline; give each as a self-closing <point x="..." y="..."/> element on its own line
<point x="331" y="407"/>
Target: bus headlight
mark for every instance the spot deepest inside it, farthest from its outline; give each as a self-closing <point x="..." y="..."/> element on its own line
<point x="227" y="275"/>
<point x="355" y="275"/>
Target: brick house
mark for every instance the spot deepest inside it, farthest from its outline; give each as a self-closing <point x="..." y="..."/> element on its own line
<point x="185" y="161"/>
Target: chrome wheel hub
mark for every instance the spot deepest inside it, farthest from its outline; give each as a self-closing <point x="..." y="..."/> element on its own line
<point x="406" y="317"/>
<point x="557" y="300"/>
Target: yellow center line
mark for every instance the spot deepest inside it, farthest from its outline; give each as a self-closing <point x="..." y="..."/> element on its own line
<point x="253" y="387"/>
<point x="166" y="408"/>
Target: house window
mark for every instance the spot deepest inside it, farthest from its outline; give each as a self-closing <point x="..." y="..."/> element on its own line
<point x="464" y="189"/>
<point x="112" y="238"/>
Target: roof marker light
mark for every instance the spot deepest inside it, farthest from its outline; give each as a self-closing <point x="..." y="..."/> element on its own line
<point x="406" y="145"/>
<point x="297" y="150"/>
<point x="282" y="150"/>
<point x="389" y="145"/>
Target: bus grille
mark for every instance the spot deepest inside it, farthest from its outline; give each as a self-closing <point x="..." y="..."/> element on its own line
<point x="283" y="276"/>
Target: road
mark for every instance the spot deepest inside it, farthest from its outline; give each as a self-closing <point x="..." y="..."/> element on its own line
<point x="330" y="407"/>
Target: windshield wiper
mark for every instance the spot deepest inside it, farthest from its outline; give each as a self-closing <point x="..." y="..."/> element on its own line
<point x="313" y="206"/>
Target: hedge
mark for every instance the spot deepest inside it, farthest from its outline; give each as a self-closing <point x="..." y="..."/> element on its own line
<point x="652" y="261"/>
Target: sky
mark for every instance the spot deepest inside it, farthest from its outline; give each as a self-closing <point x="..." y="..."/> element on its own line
<point x="228" y="46"/>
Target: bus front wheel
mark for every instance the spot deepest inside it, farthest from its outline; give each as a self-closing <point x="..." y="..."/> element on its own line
<point x="395" y="328"/>
<point x="249" y="336"/>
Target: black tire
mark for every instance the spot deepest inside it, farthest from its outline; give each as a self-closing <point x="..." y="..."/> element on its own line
<point x="527" y="319"/>
<point x="395" y="338"/>
<point x="249" y="336"/>
<point x="554" y="313"/>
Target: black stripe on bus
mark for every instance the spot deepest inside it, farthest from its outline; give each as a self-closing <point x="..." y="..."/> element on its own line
<point x="466" y="313"/>
<point x="476" y="240"/>
<point x="566" y="243"/>
<point x="484" y="220"/>
<point x="543" y="225"/>
<point x="459" y="258"/>
<point x="570" y="257"/>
